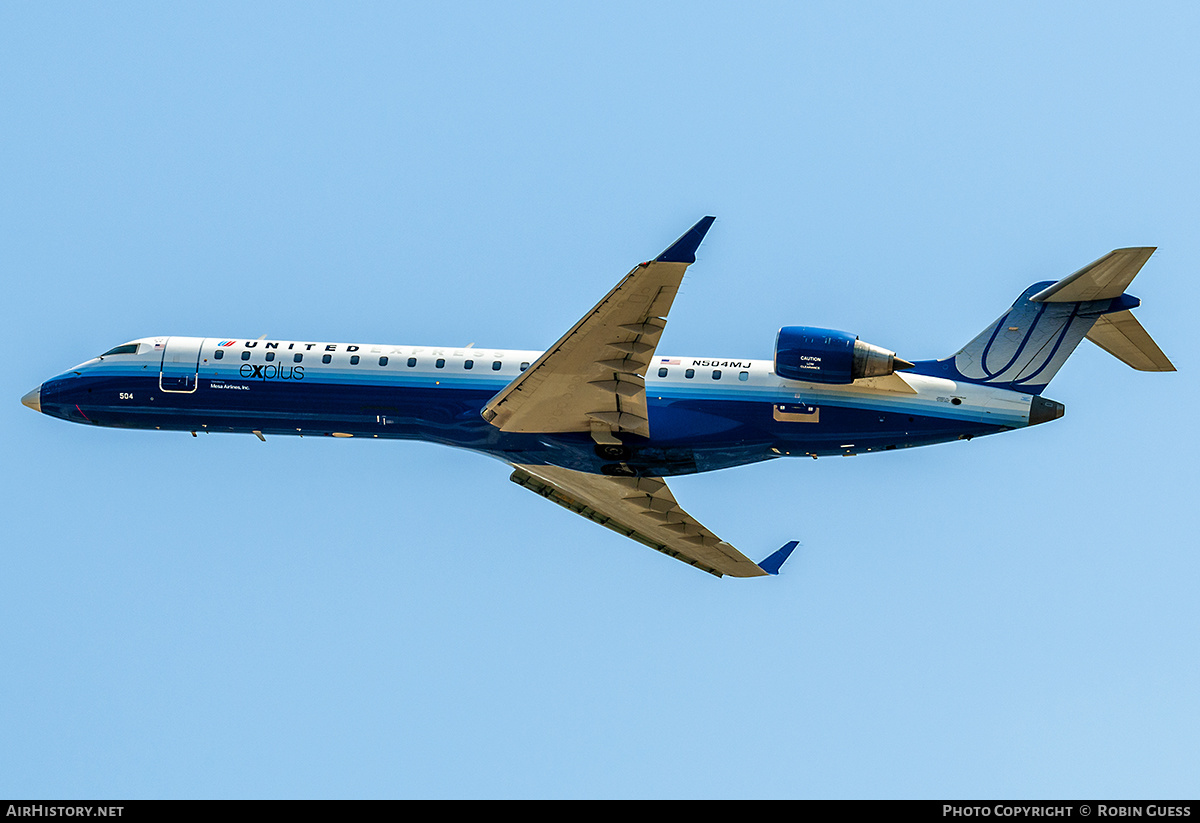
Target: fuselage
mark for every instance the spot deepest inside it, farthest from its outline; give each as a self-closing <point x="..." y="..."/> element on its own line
<point x="706" y="413"/>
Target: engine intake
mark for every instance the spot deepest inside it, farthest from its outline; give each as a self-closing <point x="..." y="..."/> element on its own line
<point x="828" y="356"/>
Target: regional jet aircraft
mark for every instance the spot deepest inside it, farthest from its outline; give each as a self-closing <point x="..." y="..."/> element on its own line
<point x="601" y="419"/>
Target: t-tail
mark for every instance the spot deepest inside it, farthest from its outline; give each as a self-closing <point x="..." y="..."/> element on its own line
<point x="1027" y="345"/>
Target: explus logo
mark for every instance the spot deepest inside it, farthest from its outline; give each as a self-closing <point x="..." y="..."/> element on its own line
<point x="271" y="371"/>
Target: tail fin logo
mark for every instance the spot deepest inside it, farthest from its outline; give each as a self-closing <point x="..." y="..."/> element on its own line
<point x="1026" y="347"/>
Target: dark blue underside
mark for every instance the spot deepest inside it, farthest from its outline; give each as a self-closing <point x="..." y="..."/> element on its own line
<point x="690" y="435"/>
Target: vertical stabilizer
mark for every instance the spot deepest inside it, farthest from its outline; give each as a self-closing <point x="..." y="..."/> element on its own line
<point x="1028" y="344"/>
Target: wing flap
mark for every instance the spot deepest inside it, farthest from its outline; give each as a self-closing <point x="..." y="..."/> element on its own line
<point x="642" y="509"/>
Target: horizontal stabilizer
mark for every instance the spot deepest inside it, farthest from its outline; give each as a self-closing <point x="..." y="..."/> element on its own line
<point x="1102" y="279"/>
<point x="1122" y="336"/>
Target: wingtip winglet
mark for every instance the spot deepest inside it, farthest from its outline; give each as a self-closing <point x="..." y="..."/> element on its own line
<point x="683" y="250"/>
<point x="773" y="563"/>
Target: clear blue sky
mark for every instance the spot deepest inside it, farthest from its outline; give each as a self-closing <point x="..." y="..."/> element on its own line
<point x="218" y="617"/>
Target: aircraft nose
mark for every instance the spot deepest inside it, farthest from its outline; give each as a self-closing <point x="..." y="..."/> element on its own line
<point x="33" y="399"/>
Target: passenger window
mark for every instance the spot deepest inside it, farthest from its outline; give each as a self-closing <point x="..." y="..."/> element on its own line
<point x="468" y="364"/>
<point x="354" y="360"/>
<point x="383" y="361"/>
<point x="662" y="372"/>
<point x="716" y="374"/>
<point x="298" y="357"/>
<point x="439" y="364"/>
<point x="525" y="365"/>
<point x="246" y="355"/>
<point x="412" y="362"/>
<point x="218" y="354"/>
<point x="495" y="365"/>
<point x="743" y="376"/>
<point x="270" y="356"/>
<point x="326" y="358"/>
<point x="689" y="374"/>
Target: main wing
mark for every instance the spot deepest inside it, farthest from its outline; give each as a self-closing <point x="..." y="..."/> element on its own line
<point x="643" y="508"/>
<point x="593" y="378"/>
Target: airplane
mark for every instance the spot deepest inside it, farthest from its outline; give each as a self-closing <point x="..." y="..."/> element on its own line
<point x="599" y="421"/>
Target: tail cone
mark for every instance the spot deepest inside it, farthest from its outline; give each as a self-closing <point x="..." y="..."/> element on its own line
<point x="1042" y="410"/>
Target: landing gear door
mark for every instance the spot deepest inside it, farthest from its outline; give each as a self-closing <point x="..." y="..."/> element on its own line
<point x="180" y="365"/>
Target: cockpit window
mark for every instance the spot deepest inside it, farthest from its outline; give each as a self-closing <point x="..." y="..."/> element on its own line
<point x="128" y="348"/>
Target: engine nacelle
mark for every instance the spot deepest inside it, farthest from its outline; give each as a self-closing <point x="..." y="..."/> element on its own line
<point x="828" y="356"/>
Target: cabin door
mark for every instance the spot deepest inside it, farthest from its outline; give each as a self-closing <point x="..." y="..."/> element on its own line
<point x="180" y="364"/>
